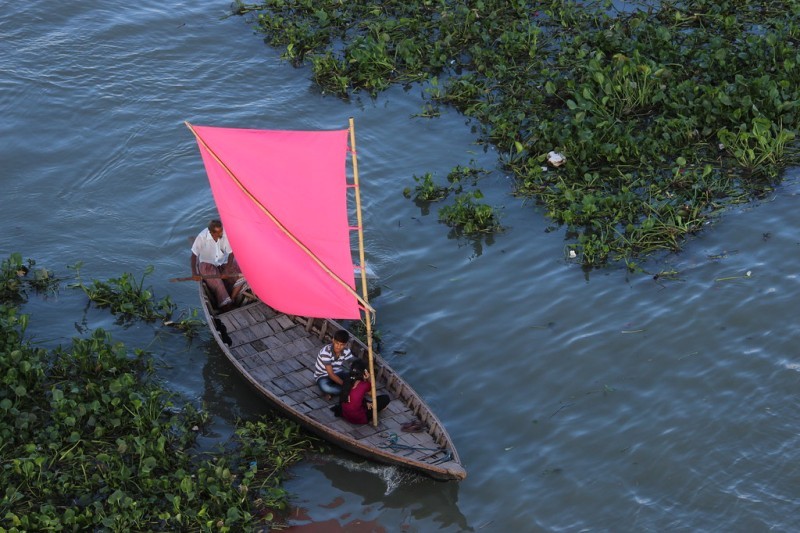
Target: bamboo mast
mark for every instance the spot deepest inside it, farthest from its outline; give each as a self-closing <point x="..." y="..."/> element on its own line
<point x="367" y="308"/>
<point x="278" y="222"/>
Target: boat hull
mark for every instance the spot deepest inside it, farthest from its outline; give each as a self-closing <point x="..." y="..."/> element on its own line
<point x="275" y="353"/>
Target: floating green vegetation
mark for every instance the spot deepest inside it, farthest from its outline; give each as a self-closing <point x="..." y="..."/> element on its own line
<point x="91" y="441"/>
<point x="664" y="113"/>
<point x="17" y="277"/>
<point x="426" y="190"/>
<point x="130" y="299"/>
<point x="126" y="296"/>
<point x="460" y="174"/>
<point x="467" y="215"/>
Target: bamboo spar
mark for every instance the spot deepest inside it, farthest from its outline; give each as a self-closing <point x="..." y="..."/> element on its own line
<point x="283" y="228"/>
<point x="367" y="308"/>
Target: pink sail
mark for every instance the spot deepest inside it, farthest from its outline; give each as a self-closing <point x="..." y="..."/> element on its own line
<point x="278" y="192"/>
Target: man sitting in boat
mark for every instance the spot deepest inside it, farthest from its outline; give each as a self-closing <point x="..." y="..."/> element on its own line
<point x="329" y="369"/>
<point x="354" y="400"/>
<point x="213" y="262"/>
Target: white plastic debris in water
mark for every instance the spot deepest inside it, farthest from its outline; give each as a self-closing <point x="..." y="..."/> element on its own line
<point x="572" y="254"/>
<point x="556" y="159"/>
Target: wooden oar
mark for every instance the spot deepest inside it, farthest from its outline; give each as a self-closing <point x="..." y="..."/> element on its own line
<point x="210" y="276"/>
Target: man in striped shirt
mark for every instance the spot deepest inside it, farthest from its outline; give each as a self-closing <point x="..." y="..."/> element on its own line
<point x="329" y="369"/>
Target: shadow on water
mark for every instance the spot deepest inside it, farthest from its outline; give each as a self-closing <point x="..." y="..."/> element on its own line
<point x="229" y="394"/>
<point x="384" y="494"/>
<point x="477" y="242"/>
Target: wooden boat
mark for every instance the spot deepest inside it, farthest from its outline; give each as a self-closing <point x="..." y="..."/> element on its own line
<point x="275" y="353"/>
<point x="282" y="199"/>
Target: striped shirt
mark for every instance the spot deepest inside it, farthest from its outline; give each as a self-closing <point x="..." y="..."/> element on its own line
<point x="326" y="358"/>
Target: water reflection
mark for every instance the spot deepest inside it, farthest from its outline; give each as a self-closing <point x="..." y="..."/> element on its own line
<point x="386" y="495"/>
<point x="230" y="395"/>
<point x="475" y="242"/>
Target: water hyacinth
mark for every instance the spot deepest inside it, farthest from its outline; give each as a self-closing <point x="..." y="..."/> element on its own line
<point x="91" y="441"/>
<point x="666" y="115"/>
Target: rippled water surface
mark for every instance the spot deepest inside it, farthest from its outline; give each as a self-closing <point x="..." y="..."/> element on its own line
<point x="600" y="401"/>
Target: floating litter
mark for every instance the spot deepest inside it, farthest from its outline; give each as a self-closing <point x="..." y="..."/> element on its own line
<point x="556" y="159"/>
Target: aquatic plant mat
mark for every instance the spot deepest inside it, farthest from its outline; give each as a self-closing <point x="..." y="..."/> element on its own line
<point x="659" y="115"/>
<point x="91" y="441"/>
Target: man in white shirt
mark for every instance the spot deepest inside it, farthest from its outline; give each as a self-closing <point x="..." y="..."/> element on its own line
<point x="213" y="261"/>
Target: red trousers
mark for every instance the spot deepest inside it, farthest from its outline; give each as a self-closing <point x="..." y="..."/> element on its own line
<point x="221" y="288"/>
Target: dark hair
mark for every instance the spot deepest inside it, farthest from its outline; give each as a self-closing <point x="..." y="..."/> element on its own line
<point x="341" y="336"/>
<point x="214" y="224"/>
<point x="357" y="369"/>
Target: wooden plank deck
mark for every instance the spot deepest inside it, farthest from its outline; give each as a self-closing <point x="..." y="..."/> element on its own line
<point x="276" y="353"/>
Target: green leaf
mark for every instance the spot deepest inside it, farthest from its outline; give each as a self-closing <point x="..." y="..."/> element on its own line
<point x="115" y="497"/>
<point x="148" y="464"/>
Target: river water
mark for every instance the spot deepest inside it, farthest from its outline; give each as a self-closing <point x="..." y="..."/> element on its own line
<point x="601" y="401"/>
